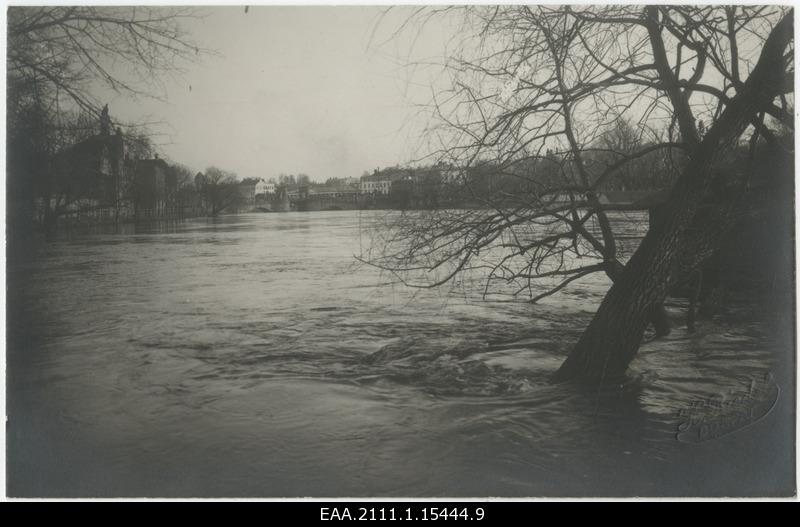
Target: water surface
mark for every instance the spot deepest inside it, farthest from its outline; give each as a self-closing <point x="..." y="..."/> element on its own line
<point x="252" y="356"/>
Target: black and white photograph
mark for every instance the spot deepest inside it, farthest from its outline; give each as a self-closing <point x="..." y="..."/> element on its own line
<point x="519" y="251"/>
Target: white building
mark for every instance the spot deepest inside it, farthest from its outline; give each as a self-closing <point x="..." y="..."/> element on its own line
<point x="263" y="187"/>
<point x="375" y="184"/>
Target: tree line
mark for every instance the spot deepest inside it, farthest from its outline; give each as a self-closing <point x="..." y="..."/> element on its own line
<point x="57" y="59"/>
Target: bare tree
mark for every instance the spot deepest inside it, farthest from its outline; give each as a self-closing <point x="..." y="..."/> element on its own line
<point x="57" y="58"/>
<point x="555" y="105"/>
<point x="70" y="50"/>
<point x="220" y="190"/>
<point x="34" y="141"/>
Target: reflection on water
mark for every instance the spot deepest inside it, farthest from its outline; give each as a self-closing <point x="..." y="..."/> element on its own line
<point x="251" y="356"/>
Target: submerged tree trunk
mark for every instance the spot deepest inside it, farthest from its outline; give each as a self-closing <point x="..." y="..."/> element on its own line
<point x="612" y="339"/>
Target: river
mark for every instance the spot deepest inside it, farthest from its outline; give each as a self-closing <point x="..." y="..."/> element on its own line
<point x="251" y="355"/>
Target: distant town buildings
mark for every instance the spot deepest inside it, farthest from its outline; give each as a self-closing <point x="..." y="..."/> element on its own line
<point x="97" y="178"/>
<point x="334" y="190"/>
<point x="295" y="192"/>
<point x="376" y="183"/>
<point x="253" y="191"/>
<point x="265" y="187"/>
<point x="380" y="181"/>
<point x="153" y="188"/>
<point x="90" y="175"/>
<point x="405" y="187"/>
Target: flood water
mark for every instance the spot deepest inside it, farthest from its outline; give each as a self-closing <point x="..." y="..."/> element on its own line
<point x="251" y="355"/>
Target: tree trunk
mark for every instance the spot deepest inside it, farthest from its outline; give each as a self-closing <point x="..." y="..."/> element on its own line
<point x="660" y="320"/>
<point x="612" y="339"/>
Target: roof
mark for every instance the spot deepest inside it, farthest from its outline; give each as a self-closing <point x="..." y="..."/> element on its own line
<point x="90" y="147"/>
<point x="388" y="174"/>
<point x="327" y="189"/>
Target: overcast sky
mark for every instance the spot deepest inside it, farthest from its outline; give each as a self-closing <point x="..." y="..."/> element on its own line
<point x="315" y="90"/>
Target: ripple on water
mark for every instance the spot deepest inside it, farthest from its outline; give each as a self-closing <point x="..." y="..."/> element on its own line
<point x="231" y="353"/>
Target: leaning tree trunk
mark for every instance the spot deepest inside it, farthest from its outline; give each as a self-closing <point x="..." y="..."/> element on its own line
<point x="612" y="339"/>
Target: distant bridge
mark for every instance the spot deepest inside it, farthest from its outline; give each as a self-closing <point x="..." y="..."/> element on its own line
<point x="327" y="201"/>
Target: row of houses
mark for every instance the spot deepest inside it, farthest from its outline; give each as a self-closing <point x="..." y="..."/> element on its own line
<point x="397" y="179"/>
<point x="96" y="177"/>
<point x="381" y="183"/>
